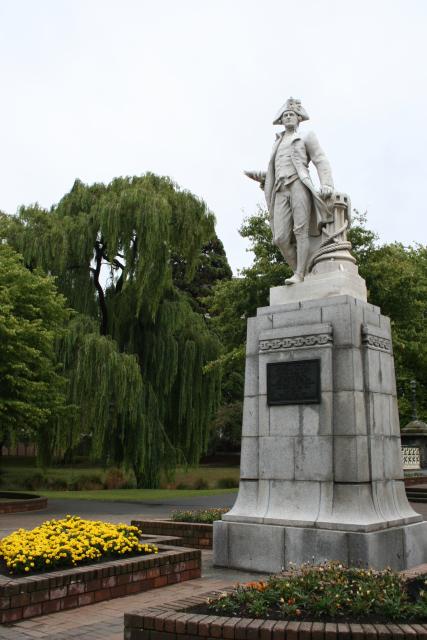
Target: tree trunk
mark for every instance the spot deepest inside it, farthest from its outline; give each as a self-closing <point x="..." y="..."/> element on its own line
<point x="101" y="298"/>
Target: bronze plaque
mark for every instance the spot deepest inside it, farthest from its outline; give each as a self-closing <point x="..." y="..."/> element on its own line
<point x="296" y="382"/>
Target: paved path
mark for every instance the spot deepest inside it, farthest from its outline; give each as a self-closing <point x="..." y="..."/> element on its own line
<point x="104" y="621"/>
<point x="110" y="511"/>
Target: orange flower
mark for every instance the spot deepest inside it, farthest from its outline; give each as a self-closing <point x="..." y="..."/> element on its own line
<point x="257" y="586"/>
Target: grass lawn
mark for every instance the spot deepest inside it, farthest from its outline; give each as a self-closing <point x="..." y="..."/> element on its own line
<point x="132" y="495"/>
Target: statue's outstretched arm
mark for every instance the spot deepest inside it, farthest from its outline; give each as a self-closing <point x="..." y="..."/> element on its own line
<point x="258" y="176"/>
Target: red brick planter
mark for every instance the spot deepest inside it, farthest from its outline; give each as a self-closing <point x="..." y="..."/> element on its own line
<point x="22" y="502"/>
<point x="30" y="596"/>
<point x="192" y="534"/>
<point x="172" y="622"/>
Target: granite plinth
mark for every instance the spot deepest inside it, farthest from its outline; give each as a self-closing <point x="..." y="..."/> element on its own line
<point x="260" y="547"/>
<point x="330" y="469"/>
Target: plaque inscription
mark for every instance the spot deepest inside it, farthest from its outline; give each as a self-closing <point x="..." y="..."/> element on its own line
<point x="296" y="382"/>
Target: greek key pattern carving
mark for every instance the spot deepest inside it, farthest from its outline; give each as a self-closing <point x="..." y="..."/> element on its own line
<point x="377" y="342"/>
<point x="411" y="457"/>
<point x="279" y="344"/>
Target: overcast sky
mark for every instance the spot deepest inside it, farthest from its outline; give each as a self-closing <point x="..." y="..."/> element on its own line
<point x="100" y="88"/>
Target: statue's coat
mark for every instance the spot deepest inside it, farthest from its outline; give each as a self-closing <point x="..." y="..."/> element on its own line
<point x="303" y="149"/>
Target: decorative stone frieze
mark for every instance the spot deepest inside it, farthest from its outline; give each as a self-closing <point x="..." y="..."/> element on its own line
<point x="279" y="344"/>
<point x="371" y="339"/>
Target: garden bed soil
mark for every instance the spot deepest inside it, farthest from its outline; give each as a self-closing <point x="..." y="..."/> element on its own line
<point x="16" y="502"/>
<point x="190" y="619"/>
<point x="34" y="595"/>
<point x="191" y="534"/>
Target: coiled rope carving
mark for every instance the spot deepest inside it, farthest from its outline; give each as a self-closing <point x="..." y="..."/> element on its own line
<point x="331" y="244"/>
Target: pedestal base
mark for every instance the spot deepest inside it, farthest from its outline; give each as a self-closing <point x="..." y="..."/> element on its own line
<point x="321" y="475"/>
<point x="270" y="548"/>
<point x="321" y="285"/>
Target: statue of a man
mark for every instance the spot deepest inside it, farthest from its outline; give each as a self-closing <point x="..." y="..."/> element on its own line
<point x="297" y="211"/>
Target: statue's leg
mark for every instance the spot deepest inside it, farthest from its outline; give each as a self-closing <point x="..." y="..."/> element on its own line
<point x="283" y="227"/>
<point x="300" y="202"/>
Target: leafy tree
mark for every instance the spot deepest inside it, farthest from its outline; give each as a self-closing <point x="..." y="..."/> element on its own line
<point x="138" y="379"/>
<point x="32" y="315"/>
<point x="212" y="267"/>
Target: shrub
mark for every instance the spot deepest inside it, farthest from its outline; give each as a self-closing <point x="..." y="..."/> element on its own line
<point x="35" y="481"/>
<point x="203" y="516"/>
<point x="69" y="542"/>
<point x="227" y="483"/>
<point x="114" y="479"/>
<point x="86" y="482"/>
<point x="330" y="591"/>
<point x="57" y="484"/>
<point x="183" y="485"/>
<point x="201" y="483"/>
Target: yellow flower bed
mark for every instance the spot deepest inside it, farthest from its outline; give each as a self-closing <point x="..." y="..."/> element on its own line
<point x="69" y="542"/>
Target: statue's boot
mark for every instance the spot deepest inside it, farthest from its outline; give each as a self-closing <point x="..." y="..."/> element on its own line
<point x="303" y="248"/>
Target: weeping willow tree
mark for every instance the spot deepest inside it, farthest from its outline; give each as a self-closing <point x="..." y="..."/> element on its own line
<point x="135" y="352"/>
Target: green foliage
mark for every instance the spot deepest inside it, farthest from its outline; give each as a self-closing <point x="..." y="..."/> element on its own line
<point x="226" y="428"/>
<point x="227" y="483"/>
<point x="396" y="278"/>
<point x="32" y="315"/>
<point x="136" y="351"/>
<point x="327" y="592"/>
<point x="203" y="516"/>
<point x="212" y="267"/>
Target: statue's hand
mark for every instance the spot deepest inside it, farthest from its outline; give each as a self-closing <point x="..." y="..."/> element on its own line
<point x="326" y="191"/>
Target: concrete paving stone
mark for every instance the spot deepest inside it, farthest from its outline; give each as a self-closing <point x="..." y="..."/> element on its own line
<point x="110" y="511"/>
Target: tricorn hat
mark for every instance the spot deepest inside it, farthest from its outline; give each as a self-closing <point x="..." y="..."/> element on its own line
<point x="292" y="104"/>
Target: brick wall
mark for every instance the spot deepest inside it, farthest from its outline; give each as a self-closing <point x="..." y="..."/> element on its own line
<point x="193" y="535"/>
<point x="32" y="503"/>
<point x="49" y="592"/>
<point x="172" y="622"/>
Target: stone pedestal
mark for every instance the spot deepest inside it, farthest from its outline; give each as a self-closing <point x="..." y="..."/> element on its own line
<point x="321" y="480"/>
